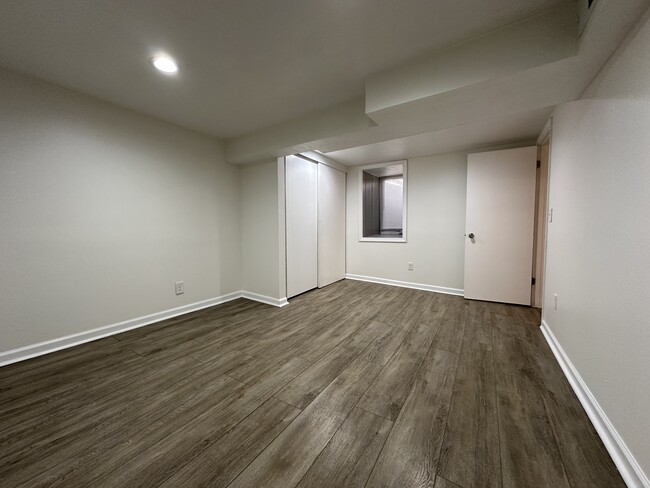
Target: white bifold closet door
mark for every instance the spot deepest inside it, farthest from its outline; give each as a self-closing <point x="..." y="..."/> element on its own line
<point x="301" y="224"/>
<point x="331" y="225"/>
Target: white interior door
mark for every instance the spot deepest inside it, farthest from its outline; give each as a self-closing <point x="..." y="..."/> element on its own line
<point x="331" y="225"/>
<point x="500" y="217"/>
<point x="301" y="225"/>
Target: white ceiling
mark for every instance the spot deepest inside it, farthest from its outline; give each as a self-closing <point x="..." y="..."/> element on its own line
<point x="383" y="171"/>
<point x="498" y="88"/>
<point x="245" y="64"/>
<point x="511" y="129"/>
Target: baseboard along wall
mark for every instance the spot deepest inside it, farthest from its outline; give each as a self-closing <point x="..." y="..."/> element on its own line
<point x="627" y="465"/>
<point x="407" y="284"/>
<point x="53" y="345"/>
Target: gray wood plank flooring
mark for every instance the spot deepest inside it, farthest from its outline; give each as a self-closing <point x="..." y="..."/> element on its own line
<point x="353" y="385"/>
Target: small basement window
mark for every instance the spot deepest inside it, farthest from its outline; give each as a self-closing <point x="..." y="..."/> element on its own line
<point x="383" y="202"/>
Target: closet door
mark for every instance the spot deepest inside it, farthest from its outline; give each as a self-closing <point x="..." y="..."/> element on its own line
<point x="331" y="225"/>
<point x="302" y="225"/>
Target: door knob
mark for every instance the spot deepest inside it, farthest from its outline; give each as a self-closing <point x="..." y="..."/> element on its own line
<point x="470" y="235"/>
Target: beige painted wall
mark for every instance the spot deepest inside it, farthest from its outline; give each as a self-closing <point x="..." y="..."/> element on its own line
<point x="598" y="250"/>
<point x="102" y="210"/>
<point x="435" y="226"/>
<point x="260" y="242"/>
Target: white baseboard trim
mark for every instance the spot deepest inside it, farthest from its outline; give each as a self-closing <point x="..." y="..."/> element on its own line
<point x="630" y="470"/>
<point x="46" y="347"/>
<point x="276" y="302"/>
<point x="406" y="284"/>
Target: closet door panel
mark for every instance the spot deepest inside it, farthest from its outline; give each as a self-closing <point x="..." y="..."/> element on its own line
<point x="301" y="225"/>
<point x="331" y="225"/>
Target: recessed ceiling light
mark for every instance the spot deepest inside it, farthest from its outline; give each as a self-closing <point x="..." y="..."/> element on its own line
<point x="165" y="64"/>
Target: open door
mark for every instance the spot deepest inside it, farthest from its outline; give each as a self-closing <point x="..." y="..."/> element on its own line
<point x="541" y="215"/>
<point x="500" y="225"/>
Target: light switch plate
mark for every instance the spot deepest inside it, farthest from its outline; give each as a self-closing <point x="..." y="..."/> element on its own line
<point x="180" y="287"/>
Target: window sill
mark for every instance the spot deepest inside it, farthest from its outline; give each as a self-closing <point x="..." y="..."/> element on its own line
<point x="382" y="239"/>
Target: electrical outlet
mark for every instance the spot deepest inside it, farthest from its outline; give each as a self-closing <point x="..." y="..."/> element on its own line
<point x="410" y="266"/>
<point x="550" y="215"/>
<point x="555" y="301"/>
<point x="180" y="287"/>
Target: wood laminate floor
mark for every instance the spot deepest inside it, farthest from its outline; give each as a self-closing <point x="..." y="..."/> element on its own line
<point x="353" y="385"/>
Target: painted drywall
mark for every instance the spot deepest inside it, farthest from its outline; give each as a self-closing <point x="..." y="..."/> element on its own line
<point x="436" y="190"/>
<point x="487" y="112"/>
<point x="541" y="39"/>
<point x="260" y="242"/>
<point x="294" y="136"/>
<point x="102" y="210"/>
<point x="598" y="256"/>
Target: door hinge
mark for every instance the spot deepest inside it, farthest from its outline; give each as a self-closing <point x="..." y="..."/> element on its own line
<point x="532" y="280"/>
<point x="539" y="164"/>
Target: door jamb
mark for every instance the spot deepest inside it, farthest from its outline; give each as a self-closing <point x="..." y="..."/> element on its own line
<point x="541" y="219"/>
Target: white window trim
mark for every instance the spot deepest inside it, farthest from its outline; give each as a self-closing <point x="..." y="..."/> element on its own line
<point x="404" y="206"/>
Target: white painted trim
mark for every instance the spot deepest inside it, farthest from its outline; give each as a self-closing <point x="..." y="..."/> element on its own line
<point x="406" y="284"/>
<point x="546" y="132"/>
<point x="404" y="163"/>
<point x="282" y="227"/>
<point x="630" y="470"/>
<point x="46" y="347"/>
<point x="276" y="302"/>
<point x="382" y="239"/>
